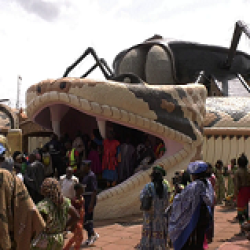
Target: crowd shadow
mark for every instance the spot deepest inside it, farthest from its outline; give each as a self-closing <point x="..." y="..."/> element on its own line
<point x="133" y="220"/>
<point x="239" y="241"/>
<point x="226" y="209"/>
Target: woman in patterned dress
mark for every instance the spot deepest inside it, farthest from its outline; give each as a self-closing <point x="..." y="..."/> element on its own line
<point x="154" y="231"/>
<point x="55" y="209"/>
<point x="192" y="210"/>
<point x="230" y="188"/>
<point x="220" y="184"/>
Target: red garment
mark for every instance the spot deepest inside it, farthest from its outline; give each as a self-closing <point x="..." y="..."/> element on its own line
<point x="109" y="159"/>
<point x="77" y="237"/>
<point x="212" y="179"/>
<point x="69" y="153"/>
<point x="96" y="165"/>
<point x="78" y="203"/>
<point x="243" y="197"/>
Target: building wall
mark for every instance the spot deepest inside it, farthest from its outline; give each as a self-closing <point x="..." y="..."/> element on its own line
<point x="36" y="142"/>
<point x="225" y="148"/>
<point x="14" y="138"/>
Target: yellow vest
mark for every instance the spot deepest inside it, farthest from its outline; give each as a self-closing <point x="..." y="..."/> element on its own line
<point x="167" y="184"/>
<point x="72" y="160"/>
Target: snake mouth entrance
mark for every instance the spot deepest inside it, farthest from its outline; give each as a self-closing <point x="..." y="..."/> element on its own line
<point x="63" y="118"/>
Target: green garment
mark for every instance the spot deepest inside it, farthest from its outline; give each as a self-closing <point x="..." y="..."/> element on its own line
<point x="23" y="167"/>
<point x="55" y="223"/>
<point x="220" y="186"/>
<point x="167" y="184"/>
<point x="230" y="187"/>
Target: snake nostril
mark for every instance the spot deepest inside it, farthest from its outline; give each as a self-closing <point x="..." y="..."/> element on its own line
<point x="39" y="89"/>
<point x="62" y="85"/>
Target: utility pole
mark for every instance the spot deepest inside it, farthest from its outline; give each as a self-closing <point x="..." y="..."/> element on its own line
<point x="19" y="81"/>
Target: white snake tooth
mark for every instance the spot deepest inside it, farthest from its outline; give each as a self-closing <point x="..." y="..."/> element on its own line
<point x="153" y="126"/>
<point x="53" y="95"/>
<point x="74" y="100"/>
<point x="85" y="104"/>
<point x="131" y="118"/>
<point x="160" y="128"/>
<point x="116" y="113"/>
<point x="124" y="116"/>
<point x="106" y="110"/>
<point x="63" y="97"/>
<point x="96" y="107"/>
<point x="139" y="121"/>
<point x="146" y="123"/>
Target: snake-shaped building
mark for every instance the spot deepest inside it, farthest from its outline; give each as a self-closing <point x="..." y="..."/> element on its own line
<point x="155" y="90"/>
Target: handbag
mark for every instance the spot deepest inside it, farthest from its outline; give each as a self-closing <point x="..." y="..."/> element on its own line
<point x="40" y="242"/>
<point x="146" y="201"/>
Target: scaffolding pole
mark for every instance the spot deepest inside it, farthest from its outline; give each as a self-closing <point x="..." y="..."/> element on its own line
<point x="19" y="81"/>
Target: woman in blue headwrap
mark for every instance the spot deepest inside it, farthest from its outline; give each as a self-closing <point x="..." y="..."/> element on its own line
<point x="154" y="229"/>
<point x="191" y="217"/>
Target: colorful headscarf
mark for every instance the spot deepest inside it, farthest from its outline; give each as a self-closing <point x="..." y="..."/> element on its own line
<point x="159" y="169"/>
<point x="197" y="167"/>
<point x="51" y="189"/>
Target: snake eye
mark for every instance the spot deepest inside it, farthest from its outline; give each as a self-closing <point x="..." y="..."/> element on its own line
<point x="39" y="89"/>
<point x="62" y="85"/>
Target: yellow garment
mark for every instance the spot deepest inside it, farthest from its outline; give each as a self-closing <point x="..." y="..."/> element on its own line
<point x="229" y="197"/>
<point x="72" y="160"/>
<point x="46" y="160"/>
<point x="19" y="218"/>
<point x="157" y="151"/>
<point x="171" y="199"/>
<point x="167" y="184"/>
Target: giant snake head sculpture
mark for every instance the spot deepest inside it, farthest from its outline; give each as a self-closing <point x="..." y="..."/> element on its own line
<point x="145" y="94"/>
<point x="173" y="113"/>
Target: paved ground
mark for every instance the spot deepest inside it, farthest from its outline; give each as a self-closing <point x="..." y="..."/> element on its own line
<point x="125" y="233"/>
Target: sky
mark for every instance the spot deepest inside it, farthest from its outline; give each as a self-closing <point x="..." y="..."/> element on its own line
<point x="39" y="39"/>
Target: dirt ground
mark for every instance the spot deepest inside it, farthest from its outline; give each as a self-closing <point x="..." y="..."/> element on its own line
<point x="125" y="233"/>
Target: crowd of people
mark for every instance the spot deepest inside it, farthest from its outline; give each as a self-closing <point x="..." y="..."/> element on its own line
<point x="61" y="203"/>
<point x="181" y="213"/>
<point x="61" y="179"/>
<point x="114" y="159"/>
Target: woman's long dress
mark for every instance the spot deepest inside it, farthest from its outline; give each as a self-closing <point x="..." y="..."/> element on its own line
<point x="125" y="167"/>
<point x="220" y="187"/>
<point x="109" y="159"/>
<point x="55" y="223"/>
<point x="230" y="187"/>
<point x="96" y="165"/>
<point x="154" y="230"/>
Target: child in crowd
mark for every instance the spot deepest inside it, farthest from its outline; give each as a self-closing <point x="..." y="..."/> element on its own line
<point x="19" y="159"/>
<point x="67" y="183"/>
<point x="47" y="161"/>
<point x="18" y="171"/>
<point x="79" y="203"/>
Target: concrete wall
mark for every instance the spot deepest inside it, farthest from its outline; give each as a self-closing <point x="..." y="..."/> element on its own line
<point x="14" y="137"/>
<point x="225" y="148"/>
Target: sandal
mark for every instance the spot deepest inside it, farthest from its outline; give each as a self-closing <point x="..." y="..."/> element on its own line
<point x="137" y="246"/>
